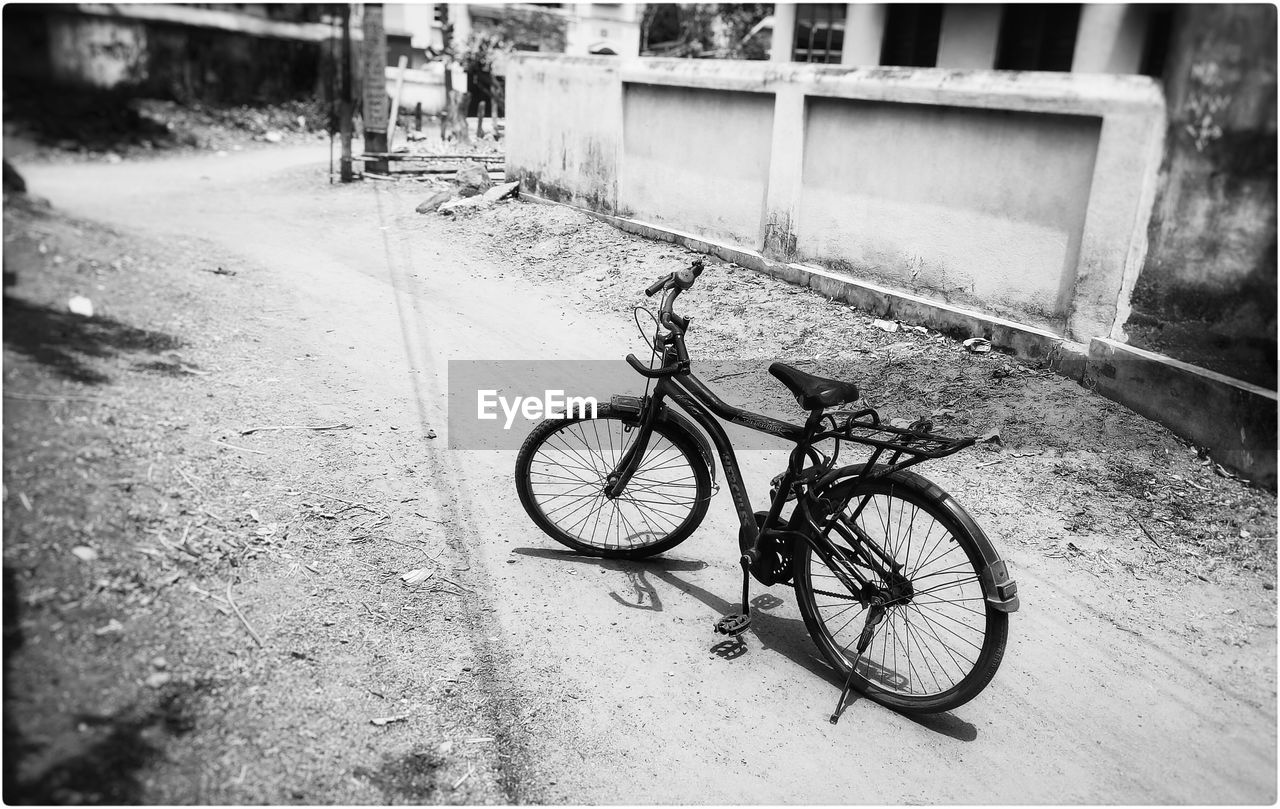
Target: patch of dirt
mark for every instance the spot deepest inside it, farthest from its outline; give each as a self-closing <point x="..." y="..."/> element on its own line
<point x="197" y="611"/>
<point x="1051" y="430"/>
<point x="59" y="124"/>
<point x="152" y="537"/>
<point x="1095" y="484"/>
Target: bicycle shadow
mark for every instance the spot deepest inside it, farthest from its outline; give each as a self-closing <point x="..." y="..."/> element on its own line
<point x="788" y="637"/>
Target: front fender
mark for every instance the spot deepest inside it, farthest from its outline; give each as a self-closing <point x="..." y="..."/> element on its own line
<point x="676" y="419"/>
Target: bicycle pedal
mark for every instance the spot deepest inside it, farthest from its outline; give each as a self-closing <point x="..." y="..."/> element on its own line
<point x="733" y="624"/>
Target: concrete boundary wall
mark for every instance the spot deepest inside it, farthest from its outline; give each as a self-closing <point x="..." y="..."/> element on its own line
<point x="561" y="146"/>
<point x="1235" y="421"/>
<point x="566" y="142"/>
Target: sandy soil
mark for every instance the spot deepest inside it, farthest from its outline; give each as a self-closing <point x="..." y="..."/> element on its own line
<point x="240" y="292"/>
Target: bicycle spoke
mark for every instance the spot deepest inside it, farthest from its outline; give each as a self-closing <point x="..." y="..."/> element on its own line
<point x="924" y="655"/>
<point x="588" y="461"/>
<point x="567" y="475"/>
<point x="934" y="633"/>
<point x="947" y="648"/>
<point x="576" y="499"/>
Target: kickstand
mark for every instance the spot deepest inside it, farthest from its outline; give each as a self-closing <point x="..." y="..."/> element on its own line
<point x="874" y="616"/>
<point x="844" y="693"/>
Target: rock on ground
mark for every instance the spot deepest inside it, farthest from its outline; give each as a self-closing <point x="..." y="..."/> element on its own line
<point x="472" y="179"/>
<point x="435" y="201"/>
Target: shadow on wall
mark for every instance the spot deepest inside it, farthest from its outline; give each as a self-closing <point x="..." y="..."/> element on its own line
<point x="1207" y="294"/>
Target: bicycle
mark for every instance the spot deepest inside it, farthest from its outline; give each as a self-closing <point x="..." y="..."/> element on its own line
<point x="912" y="615"/>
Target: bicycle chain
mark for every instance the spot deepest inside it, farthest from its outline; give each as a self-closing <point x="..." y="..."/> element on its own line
<point x="845" y="596"/>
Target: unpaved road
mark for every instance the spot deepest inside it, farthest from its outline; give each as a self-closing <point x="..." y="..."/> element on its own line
<point x="608" y="684"/>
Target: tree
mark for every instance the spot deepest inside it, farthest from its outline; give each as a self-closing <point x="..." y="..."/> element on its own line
<point x="702" y="30"/>
<point x="477" y="59"/>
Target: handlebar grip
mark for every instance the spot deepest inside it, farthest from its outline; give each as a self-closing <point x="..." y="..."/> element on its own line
<point x="657" y="286"/>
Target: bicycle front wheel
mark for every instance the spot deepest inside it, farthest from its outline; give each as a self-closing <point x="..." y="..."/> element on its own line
<point x="561" y="474"/>
<point x="937" y="643"/>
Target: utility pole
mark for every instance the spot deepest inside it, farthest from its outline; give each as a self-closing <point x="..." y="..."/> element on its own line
<point x="344" y="109"/>
<point x="375" y="88"/>
<point x="454" y="120"/>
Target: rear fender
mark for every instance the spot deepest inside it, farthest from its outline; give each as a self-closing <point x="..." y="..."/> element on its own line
<point x="999" y="589"/>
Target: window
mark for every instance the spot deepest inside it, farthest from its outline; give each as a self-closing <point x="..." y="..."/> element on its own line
<point x="1037" y="36"/>
<point x="819" y="33"/>
<point x="911" y="35"/>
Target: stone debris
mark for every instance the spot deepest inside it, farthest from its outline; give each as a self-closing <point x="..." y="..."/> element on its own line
<point x="504" y="191"/>
<point x="435" y="201"/>
<point x="472" y="179"/>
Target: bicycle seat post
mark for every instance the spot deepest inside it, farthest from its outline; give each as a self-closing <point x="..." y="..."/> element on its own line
<point x="736" y="624"/>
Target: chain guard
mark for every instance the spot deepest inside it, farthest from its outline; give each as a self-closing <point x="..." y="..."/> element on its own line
<point x="774" y="565"/>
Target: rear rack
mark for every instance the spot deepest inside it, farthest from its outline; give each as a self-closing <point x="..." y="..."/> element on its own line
<point x="907" y="446"/>
<point x="864" y="427"/>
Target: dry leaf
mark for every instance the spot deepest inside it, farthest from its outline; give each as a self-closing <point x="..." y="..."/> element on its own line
<point x="158" y="679"/>
<point x="84" y="553"/>
<point x="387" y="720"/>
<point x="418" y="576"/>
<point x="112" y="626"/>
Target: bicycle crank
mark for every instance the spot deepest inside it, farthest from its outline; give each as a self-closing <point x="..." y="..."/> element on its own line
<point x="737" y="624"/>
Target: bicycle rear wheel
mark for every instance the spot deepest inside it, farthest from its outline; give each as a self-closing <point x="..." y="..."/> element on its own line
<point x="939" y="642"/>
<point x="561" y="472"/>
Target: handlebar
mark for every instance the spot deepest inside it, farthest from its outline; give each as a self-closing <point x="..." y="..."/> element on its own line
<point x="679" y="281"/>
<point x="652" y="373"/>
<point x="674" y="283"/>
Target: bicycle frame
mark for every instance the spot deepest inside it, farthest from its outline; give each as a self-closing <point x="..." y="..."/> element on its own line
<point x="826" y="543"/>
<point x="696" y="399"/>
<point x="675" y="381"/>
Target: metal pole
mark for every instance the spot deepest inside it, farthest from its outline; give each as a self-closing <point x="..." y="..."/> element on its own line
<point x="345" y="107"/>
<point x="375" y="88"/>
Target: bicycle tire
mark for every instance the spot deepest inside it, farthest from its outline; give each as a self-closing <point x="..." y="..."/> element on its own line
<point x="663" y="504"/>
<point x="920" y="640"/>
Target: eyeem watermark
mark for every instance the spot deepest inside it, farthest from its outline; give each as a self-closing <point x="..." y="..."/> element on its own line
<point x="553" y="404"/>
<point x="494" y="404"/>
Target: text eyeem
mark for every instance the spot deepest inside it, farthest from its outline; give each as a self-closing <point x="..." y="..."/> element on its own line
<point x="552" y="405"/>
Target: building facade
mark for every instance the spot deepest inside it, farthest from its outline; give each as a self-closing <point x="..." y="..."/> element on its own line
<point x="1095" y="183"/>
<point x="1207" y="290"/>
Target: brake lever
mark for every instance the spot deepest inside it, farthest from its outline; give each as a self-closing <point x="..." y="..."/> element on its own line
<point x="685" y="278"/>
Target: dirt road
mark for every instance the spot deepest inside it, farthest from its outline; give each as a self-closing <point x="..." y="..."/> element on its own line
<point x="597" y="682"/>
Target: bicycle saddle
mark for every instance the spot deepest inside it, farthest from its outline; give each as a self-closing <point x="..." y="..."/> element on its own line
<point x="814" y="392"/>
